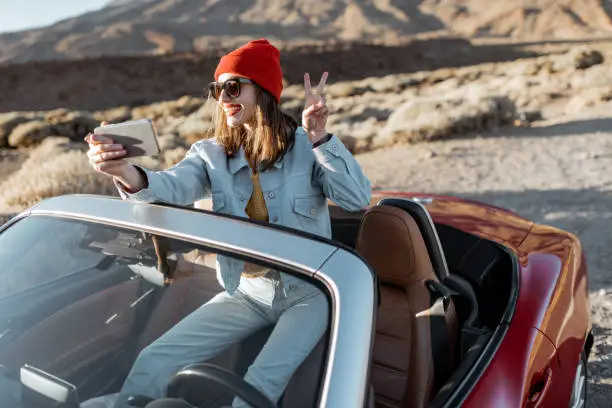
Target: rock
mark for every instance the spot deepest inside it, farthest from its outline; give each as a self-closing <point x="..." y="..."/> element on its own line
<point x="195" y="126"/>
<point x="8" y="122"/>
<point x="292" y="92"/>
<point x="72" y="124"/>
<point x="30" y="133"/>
<point x="358" y="113"/>
<point x="588" y="98"/>
<point x="532" y="69"/>
<point x="433" y="118"/>
<point x="526" y="117"/>
<point x="595" y="77"/>
<point x="584" y="59"/>
<point x="293" y="108"/>
<point x="392" y="83"/>
<point x="184" y="106"/>
<point x="115" y="115"/>
<point x="522" y="68"/>
<point x="444" y="87"/>
<point x="346" y="89"/>
<point x="173" y="156"/>
<point x="535" y="100"/>
<point x="56" y="115"/>
<point x="170" y="142"/>
<point x="575" y="59"/>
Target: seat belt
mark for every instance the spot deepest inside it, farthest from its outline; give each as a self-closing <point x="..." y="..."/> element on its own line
<point x="441" y="294"/>
<point x="440" y="338"/>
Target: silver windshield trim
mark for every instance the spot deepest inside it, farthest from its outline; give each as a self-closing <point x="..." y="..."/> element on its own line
<point x="350" y="283"/>
<point x="238" y="236"/>
<point x="353" y="289"/>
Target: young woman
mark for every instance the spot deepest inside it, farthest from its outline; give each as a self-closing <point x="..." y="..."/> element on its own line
<point x="259" y="164"/>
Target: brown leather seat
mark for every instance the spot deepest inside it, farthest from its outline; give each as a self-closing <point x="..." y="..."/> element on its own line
<point x="403" y="371"/>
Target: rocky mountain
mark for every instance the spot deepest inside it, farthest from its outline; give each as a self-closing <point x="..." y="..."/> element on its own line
<point x="127" y="27"/>
<point x="115" y="3"/>
<point x="524" y="19"/>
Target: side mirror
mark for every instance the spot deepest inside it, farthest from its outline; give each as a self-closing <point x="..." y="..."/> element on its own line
<point x="40" y="387"/>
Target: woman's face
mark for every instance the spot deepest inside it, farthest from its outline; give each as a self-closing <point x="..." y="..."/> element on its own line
<point x="240" y="110"/>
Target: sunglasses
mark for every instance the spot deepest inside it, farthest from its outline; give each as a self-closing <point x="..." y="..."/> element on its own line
<point x="232" y="87"/>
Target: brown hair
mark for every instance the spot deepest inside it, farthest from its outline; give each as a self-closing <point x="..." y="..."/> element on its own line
<point x="274" y="132"/>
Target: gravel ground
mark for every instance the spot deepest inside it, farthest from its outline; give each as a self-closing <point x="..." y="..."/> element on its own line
<point x="557" y="173"/>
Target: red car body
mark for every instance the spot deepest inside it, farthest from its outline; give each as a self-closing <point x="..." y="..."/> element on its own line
<point x="535" y="364"/>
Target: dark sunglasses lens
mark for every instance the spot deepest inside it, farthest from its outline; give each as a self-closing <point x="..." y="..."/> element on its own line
<point x="232" y="88"/>
<point x="214" y="90"/>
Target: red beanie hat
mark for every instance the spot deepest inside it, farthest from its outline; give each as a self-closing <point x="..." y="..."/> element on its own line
<point x="258" y="61"/>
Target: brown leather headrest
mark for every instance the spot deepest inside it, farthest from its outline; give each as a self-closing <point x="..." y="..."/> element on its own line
<point x="390" y="240"/>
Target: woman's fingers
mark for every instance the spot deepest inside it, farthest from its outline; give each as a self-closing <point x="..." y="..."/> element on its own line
<point x="109" y="147"/>
<point x="321" y="87"/>
<point x="307" y="86"/>
<point x="104" y="154"/>
<point x="308" y="111"/>
<point x="316" y="110"/>
<point x="98" y="157"/>
<point x="107" y="165"/>
<point x="101" y="148"/>
<point x="97" y="138"/>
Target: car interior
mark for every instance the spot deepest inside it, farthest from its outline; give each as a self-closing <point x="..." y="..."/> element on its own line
<point x="442" y="293"/>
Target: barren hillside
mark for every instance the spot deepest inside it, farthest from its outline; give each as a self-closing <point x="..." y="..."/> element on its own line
<point x="524" y="19"/>
<point x="170" y="26"/>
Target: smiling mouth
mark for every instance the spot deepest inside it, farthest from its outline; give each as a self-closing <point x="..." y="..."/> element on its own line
<point x="232" y="110"/>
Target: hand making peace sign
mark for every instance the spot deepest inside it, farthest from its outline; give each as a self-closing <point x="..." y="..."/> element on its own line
<point x="315" y="113"/>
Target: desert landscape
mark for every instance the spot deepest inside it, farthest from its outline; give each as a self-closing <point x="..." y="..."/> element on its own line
<point x="508" y="104"/>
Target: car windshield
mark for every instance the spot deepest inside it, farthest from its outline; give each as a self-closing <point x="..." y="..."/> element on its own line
<point x="79" y="301"/>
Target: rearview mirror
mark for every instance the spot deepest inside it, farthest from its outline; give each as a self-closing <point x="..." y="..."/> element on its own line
<point x="42" y="389"/>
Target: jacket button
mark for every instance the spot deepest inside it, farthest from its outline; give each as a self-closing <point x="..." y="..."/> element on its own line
<point x="313" y="211"/>
<point x="274" y="219"/>
<point x="271" y="194"/>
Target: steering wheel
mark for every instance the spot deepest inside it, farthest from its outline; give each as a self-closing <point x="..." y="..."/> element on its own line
<point x="193" y="374"/>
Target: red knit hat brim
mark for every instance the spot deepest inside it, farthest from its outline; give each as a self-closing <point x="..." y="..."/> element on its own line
<point x="258" y="61"/>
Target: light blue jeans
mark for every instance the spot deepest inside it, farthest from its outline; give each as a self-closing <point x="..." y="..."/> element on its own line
<point x="299" y="311"/>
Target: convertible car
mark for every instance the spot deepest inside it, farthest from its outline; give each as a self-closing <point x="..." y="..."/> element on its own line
<point x="434" y="301"/>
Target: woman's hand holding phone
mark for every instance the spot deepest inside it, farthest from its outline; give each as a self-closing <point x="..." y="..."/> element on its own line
<point x="107" y="157"/>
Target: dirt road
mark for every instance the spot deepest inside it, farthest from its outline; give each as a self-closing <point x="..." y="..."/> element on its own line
<point x="558" y="173"/>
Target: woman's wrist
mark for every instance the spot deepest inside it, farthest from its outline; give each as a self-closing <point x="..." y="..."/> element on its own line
<point x="315" y="136"/>
<point x="322" y="140"/>
<point x="133" y="179"/>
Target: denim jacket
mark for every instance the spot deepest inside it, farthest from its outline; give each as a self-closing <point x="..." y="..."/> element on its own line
<point x="295" y="189"/>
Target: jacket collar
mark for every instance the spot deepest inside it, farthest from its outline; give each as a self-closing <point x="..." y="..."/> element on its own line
<point x="239" y="161"/>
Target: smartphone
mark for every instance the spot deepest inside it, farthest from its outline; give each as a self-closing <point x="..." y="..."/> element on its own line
<point x="137" y="136"/>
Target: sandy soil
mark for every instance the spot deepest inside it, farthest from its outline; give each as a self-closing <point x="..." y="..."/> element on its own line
<point x="557" y="173"/>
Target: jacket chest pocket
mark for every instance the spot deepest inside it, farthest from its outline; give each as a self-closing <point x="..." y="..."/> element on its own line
<point x="307" y="211"/>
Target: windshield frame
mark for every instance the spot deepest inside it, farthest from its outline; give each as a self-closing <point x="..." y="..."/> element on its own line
<point x="353" y="296"/>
